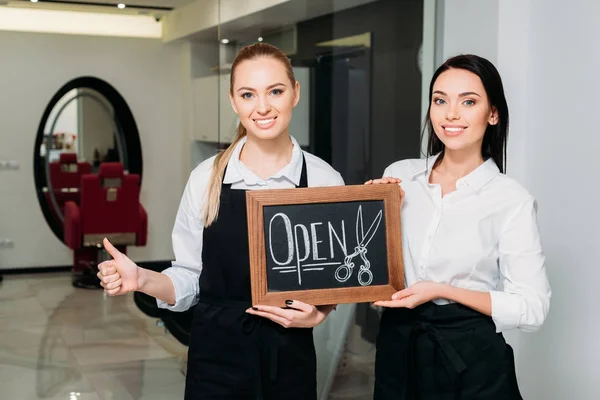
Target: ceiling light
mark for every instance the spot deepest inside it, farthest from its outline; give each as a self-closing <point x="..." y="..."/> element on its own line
<point x="121" y="6"/>
<point x="34" y="1"/>
<point x="224" y="41"/>
<point x="260" y="39"/>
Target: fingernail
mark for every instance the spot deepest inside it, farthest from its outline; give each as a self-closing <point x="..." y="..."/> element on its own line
<point x="289" y="302"/>
<point x="255" y="309"/>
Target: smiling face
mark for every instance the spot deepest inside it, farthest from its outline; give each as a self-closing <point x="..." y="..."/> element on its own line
<point x="263" y="97"/>
<point x="460" y="110"/>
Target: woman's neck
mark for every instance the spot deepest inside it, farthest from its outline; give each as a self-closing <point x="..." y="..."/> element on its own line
<point x="459" y="163"/>
<point x="266" y="157"/>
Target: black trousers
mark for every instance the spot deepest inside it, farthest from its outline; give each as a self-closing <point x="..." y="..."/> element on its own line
<point x="441" y="353"/>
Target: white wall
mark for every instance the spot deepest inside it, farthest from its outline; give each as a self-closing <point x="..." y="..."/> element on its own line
<point x="561" y="146"/>
<point x="147" y="73"/>
<point x="547" y="53"/>
<point x="470" y="26"/>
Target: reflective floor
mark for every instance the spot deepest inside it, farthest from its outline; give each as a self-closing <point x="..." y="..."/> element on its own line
<point x="354" y="378"/>
<point x="59" y="342"/>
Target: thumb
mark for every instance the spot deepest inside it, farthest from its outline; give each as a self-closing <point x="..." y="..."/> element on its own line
<point x="112" y="250"/>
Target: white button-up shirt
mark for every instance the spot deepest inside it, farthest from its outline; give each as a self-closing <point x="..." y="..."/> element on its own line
<point x="189" y="224"/>
<point x="483" y="236"/>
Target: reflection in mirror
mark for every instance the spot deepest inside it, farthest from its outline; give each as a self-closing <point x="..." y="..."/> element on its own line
<point x="88" y="167"/>
<point x="80" y="133"/>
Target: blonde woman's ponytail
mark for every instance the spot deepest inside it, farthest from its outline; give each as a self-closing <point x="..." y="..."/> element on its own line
<point x="213" y="194"/>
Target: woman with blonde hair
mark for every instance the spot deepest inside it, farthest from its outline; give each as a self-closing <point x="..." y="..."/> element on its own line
<point x="237" y="351"/>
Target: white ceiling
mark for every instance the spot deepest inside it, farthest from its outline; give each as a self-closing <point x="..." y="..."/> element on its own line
<point x="149" y="3"/>
<point x="281" y="16"/>
<point x="252" y="25"/>
<point x="108" y="6"/>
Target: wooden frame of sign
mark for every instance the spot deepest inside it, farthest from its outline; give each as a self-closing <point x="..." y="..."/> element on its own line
<point x="286" y="262"/>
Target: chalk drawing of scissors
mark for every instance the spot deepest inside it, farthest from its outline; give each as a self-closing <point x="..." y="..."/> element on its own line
<point x="344" y="271"/>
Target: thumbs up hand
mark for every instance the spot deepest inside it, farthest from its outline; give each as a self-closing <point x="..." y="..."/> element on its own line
<point x="119" y="275"/>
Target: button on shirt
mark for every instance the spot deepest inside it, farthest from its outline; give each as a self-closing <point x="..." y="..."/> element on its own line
<point x="189" y="225"/>
<point x="483" y="236"/>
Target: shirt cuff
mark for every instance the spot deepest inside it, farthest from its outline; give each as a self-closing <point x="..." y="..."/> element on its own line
<point x="184" y="299"/>
<point x="506" y="310"/>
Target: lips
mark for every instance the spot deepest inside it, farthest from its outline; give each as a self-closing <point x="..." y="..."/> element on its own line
<point x="265" y="123"/>
<point x="453" y="130"/>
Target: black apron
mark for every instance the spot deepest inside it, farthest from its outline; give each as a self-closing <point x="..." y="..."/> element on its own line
<point x="234" y="355"/>
<point x="442" y="352"/>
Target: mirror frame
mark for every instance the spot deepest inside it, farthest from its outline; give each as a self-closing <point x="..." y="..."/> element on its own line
<point x="124" y="119"/>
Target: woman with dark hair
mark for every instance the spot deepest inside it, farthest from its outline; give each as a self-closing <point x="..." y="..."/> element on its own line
<point x="473" y="260"/>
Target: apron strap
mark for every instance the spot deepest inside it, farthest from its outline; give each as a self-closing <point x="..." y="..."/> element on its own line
<point x="452" y="362"/>
<point x="304" y="176"/>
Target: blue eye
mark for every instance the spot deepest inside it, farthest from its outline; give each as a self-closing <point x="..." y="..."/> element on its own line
<point x="438" y="101"/>
<point x="277" y="92"/>
<point x="246" y="95"/>
<point x="469" y="103"/>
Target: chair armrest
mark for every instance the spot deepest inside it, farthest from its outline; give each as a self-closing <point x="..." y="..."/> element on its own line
<point x="142" y="234"/>
<point x="72" y="225"/>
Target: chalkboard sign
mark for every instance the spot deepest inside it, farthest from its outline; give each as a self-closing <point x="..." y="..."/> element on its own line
<point x="327" y="245"/>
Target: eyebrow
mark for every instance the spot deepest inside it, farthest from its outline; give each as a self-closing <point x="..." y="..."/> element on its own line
<point x="253" y="90"/>
<point x="460" y="95"/>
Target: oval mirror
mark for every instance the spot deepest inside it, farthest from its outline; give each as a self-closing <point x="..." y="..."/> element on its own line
<point x="86" y="123"/>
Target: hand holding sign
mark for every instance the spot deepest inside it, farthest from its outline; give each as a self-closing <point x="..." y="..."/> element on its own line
<point x="119" y="275"/>
<point x="296" y="315"/>
<point x="415" y="295"/>
<point x="388" y="180"/>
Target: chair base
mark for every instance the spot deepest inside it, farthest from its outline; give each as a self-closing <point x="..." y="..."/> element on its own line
<point x="86" y="281"/>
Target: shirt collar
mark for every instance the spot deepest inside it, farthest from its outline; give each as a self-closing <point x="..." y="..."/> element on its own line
<point x="477" y="179"/>
<point x="425" y="168"/>
<point x="482" y="175"/>
<point x="237" y="171"/>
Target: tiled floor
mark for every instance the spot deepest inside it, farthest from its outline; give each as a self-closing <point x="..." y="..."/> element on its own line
<point x="59" y="342"/>
<point x="355" y="375"/>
